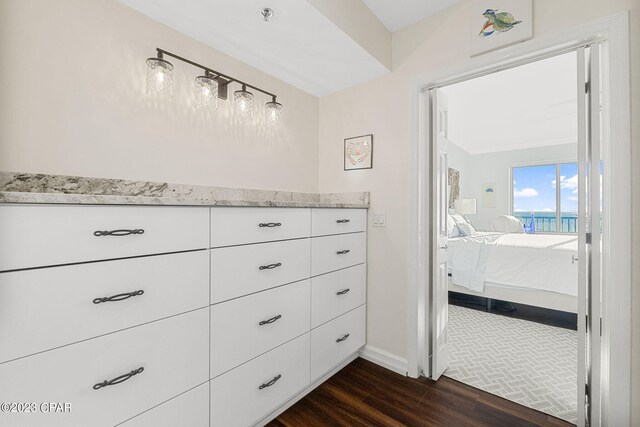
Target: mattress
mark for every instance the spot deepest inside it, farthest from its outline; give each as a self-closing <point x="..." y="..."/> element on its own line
<point x="533" y="261"/>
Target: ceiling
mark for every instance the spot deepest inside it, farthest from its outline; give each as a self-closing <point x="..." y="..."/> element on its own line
<point x="529" y="106"/>
<point x="398" y="14"/>
<point x="299" y="44"/>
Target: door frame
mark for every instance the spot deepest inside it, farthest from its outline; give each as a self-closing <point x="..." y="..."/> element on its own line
<point x="613" y="32"/>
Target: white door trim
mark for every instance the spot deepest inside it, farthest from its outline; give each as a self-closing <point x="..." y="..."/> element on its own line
<point x="613" y="31"/>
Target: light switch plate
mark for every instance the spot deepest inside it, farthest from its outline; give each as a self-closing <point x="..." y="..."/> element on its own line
<point x="379" y="219"/>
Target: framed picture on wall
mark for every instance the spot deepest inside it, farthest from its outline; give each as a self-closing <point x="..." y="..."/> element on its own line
<point x="498" y="23"/>
<point x="358" y="152"/>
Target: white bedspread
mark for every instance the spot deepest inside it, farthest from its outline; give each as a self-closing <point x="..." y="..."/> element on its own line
<point x="534" y="261"/>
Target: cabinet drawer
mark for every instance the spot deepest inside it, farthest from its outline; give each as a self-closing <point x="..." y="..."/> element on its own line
<point x="334" y="294"/>
<point x="173" y="352"/>
<point x="239" y="226"/>
<point x="237" y="398"/>
<point x="337" y="221"/>
<point x="241" y="270"/>
<point x="333" y="342"/>
<point x="189" y="409"/>
<point x="46" y="308"/>
<point x="260" y="322"/>
<point x="335" y="252"/>
<point x="35" y="236"/>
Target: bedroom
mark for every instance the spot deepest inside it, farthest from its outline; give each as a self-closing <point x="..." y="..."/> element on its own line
<point x="509" y="138"/>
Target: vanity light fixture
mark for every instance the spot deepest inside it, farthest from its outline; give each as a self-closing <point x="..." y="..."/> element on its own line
<point x="210" y="87"/>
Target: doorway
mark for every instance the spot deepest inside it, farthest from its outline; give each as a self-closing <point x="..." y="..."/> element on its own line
<point x="426" y="353"/>
<point x="509" y="190"/>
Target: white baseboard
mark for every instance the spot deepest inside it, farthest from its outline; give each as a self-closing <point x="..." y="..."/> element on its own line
<point x="385" y="359"/>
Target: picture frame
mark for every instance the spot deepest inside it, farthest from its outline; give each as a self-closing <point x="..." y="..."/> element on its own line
<point x="358" y="152"/>
<point x="494" y="24"/>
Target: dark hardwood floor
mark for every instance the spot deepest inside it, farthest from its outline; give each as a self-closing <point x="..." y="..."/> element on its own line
<point x="365" y="394"/>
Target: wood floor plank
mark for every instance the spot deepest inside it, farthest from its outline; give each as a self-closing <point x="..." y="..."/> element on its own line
<point x="365" y="394"/>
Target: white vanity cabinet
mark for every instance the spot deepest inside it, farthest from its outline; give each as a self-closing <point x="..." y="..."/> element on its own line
<point x="157" y="315"/>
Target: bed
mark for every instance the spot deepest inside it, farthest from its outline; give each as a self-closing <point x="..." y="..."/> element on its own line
<point x="533" y="269"/>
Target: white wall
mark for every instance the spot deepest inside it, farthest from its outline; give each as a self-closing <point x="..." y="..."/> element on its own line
<point x="72" y="102"/>
<point x="382" y="107"/>
<point x="479" y="169"/>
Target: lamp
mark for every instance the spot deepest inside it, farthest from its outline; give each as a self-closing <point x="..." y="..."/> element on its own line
<point x="210" y="87"/>
<point x="465" y="206"/>
<point x="243" y="100"/>
<point x="273" y="110"/>
<point x="159" y="76"/>
<point x="206" y="91"/>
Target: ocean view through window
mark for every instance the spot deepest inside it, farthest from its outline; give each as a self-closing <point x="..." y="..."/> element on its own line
<point x="547" y="196"/>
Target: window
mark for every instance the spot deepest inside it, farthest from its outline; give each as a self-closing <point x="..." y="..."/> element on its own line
<point x="538" y="199"/>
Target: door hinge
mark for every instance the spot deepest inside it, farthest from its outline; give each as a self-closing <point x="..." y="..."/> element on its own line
<point x="588" y="238"/>
<point x="587" y="87"/>
<point x="586" y="392"/>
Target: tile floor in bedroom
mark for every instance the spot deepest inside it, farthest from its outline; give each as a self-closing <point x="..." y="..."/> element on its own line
<point x="529" y="363"/>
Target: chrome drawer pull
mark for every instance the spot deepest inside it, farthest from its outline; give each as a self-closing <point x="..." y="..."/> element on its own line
<point x="270" y="266"/>
<point x="118" y="380"/>
<point x="343" y="221"/>
<point x="119" y="297"/>
<point x="343" y="338"/>
<point x="118" y="232"/>
<point x="346" y="251"/>
<point x="270" y="224"/>
<point x="270" y="383"/>
<point x="270" y="321"/>
<point x="342" y="292"/>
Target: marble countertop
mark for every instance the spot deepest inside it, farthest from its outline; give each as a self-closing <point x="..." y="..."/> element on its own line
<point x="60" y="189"/>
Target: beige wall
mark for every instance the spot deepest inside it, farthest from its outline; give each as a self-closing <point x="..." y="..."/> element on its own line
<point x="72" y="102"/>
<point x="382" y="107"/>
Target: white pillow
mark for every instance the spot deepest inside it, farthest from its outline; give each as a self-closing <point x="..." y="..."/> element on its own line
<point x="459" y="218"/>
<point x="452" y="227"/>
<point x="507" y="224"/>
<point x="465" y="229"/>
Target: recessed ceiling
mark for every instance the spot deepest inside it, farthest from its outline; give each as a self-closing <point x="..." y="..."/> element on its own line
<point x="398" y="14"/>
<point x="299" y="45"/>
<point x="533" y="105"/>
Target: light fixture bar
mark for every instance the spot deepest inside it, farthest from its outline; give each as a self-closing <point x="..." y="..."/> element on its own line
<point x="223" y="79"/>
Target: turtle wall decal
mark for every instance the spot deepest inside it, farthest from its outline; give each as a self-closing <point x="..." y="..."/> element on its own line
<point x="500" y="22"/>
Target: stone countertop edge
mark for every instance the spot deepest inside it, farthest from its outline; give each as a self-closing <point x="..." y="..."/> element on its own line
<point x="21" y="188"/>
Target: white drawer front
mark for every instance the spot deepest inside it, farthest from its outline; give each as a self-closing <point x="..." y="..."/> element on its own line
<point x="334" y="294"/>
<point x="284" y="313"/>
<point x="173" y="352"/>
<point x="337" y="221"/>
<point x="333" y="342"/>
<point x="34" y="236"/>
<point x="190" y="409"/>
<point x="236" y="271"/>
<point x="46" y="308"/>
<point x="335" y="252"/>
<point x="238" y="400"/>
<point x="238" y="226"/>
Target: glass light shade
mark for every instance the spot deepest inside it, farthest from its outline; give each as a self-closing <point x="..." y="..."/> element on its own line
<point x="243" y="103"/>
<point x="206" y="92"/>
<point x="273" y="111"/>
<point x="159" y="77"/>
